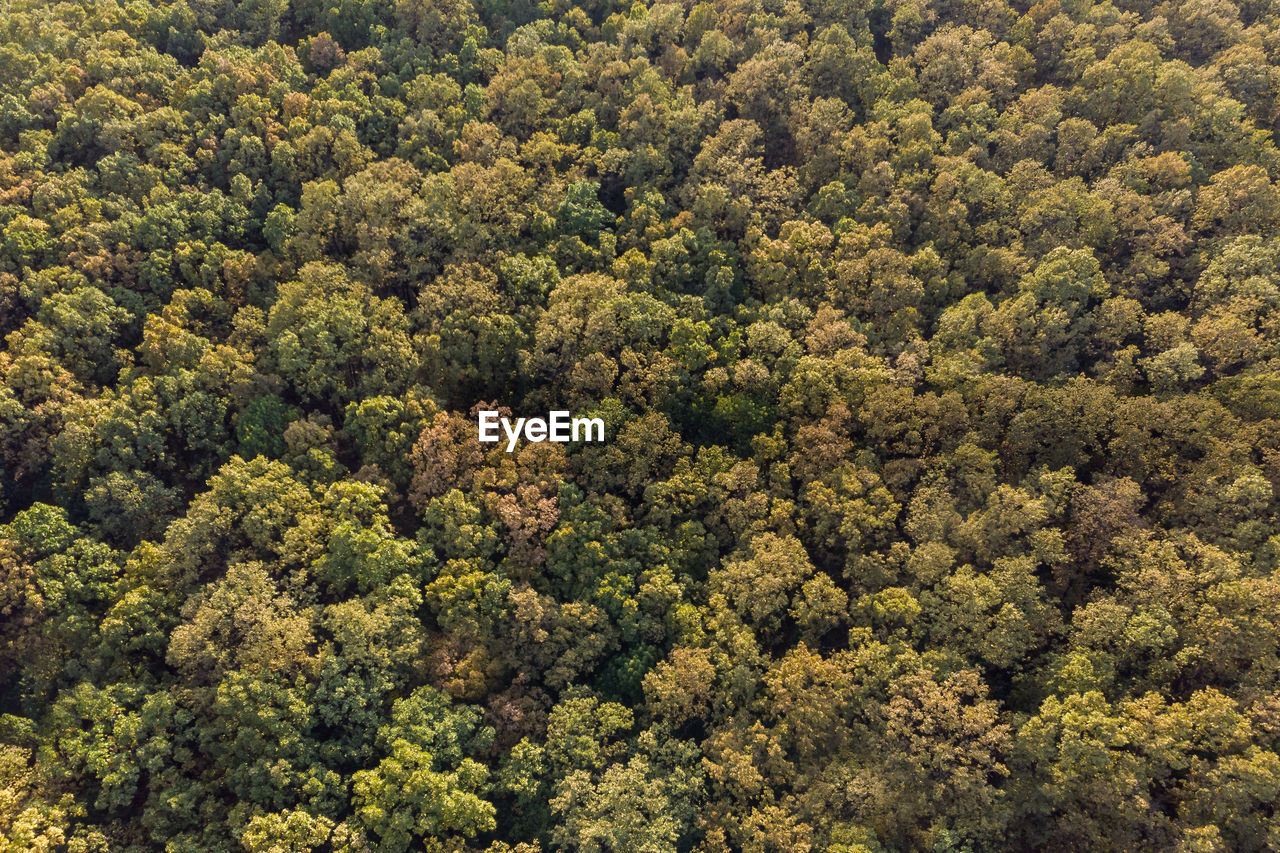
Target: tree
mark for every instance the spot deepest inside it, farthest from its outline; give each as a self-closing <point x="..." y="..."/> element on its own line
<point x="332" y="341"/>
<point x="426" y="786"/>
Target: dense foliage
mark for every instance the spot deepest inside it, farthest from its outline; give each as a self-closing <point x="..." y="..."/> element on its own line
<point x="937" y="342"/>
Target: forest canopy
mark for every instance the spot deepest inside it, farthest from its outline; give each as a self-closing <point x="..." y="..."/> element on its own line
<point x="937" y="345"/>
